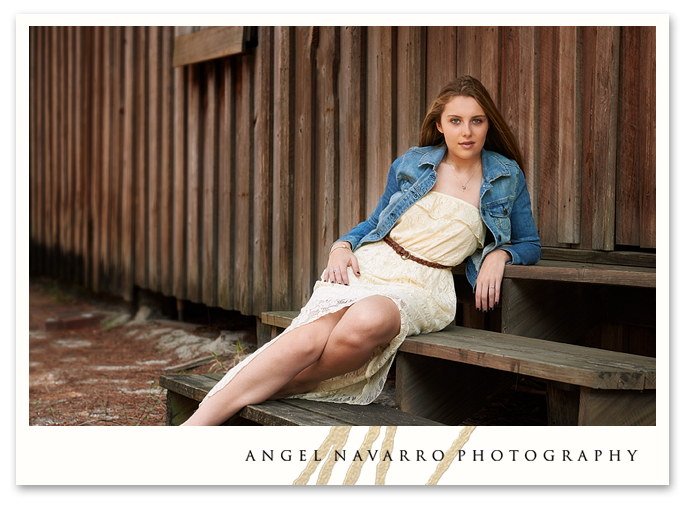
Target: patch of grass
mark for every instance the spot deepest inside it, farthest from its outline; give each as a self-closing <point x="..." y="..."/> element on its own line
<point x="111" y="324"/>
<point x="57" y="294"/>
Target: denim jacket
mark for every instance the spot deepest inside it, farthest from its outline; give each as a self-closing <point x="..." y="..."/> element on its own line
<point x="504" y="204"/>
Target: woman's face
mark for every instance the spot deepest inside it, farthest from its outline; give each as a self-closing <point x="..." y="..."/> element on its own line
<point x="464" y="126"/>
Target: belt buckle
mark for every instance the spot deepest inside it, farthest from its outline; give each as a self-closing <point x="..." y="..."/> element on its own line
<point x="406" y="256"/>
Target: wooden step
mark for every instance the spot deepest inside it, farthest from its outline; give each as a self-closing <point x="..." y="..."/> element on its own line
<point x="185" y="392"/>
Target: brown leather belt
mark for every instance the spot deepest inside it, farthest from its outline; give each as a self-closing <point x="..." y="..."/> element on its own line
<point x="408" y="256"/>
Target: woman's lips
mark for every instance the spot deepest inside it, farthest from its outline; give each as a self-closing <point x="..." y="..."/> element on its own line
<point x="466" y="145"/>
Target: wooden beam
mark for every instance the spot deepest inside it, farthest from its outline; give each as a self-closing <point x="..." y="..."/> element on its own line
<point x="208" y="44"/>
<point x="573" y="272"/>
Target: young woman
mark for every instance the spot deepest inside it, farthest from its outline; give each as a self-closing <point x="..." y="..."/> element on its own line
<point x="460" y="195"/>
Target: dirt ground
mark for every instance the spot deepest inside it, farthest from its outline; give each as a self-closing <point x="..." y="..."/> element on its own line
<point x="102" y="366"/>
<point x="107" y="372"/>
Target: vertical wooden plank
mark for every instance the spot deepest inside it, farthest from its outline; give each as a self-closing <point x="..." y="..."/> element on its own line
<point x="59" y="122"/>
<point x="262" y="195"/>
<point x="352" y="130"/>
<point x="441" y="59"/>
<point x="546" y="203"/>
<point x="478" y="50"/>
<point x="305" y="46"/>
<point x="209" y="199"/>
<point x="127" y="208"/>
<point x="167" y="170"/>
<point x="105" y="129"/>
<point x="153" y="159"/>
<point x="114" y="266"/>
<point x="569" y="139"/>
<point x="647" y="102"/>
<point x="410" y="78"/>
<point x="180" y="210"/>
<point x="194" y="186"/>
<point x="81" y="138"/>
<point x="68" y="176"/>
<point x="604" y="124"/>
<point x="53" y="201"/>
<point x="282" y="187"/>
<point x="587" y="176"/>
<point x="243" y="185"/>
<point x="48" y="150"/>
<point x="97" y="167"/>
<point x="33" y="145"/>
<point x="141" y="273"/>
<point x="630" y="121"/>
<point x="326" y="138"/>
<point x="226" y="233"/>
<point x="380" y="112"/>
<point x="517" y="100"/>
<point x="39" y="107"/>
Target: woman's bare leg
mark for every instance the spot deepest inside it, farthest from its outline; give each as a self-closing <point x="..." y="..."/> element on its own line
<point x="268" y="371"/>
<point x="367" y="324"/>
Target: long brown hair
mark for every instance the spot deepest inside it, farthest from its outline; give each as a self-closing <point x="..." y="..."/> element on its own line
<point x="499" y="137"/>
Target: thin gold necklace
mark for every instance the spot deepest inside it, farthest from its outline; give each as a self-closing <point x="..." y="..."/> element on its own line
<point x="463" y="185"/>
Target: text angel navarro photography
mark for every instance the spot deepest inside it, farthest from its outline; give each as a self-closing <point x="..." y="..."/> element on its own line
<point x="549" y="455"/>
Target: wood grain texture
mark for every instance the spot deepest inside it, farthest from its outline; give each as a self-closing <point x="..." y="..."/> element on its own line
<point x="141" y="222"/>
<point x="281" y="319"/>
<point x="179" y="218"/>
<point x="573" y="272"/>
<point x="153" y="140"/>
<point x="186" y="391"/>
<point x="352" y="128"/>
<point x="569" y="138"/>
<point x="262" y="174"/>
<point x="631" y="118"/>
<point x="194" y="196"/>
<point x="608" y="407"/>
<point x="209" y="44"/>
<point x="226" y="224"/>
<point x="545" y="202"/>
<point x="534" y="357"/>
<point x="306" y="41"/>
<point x="647" y="101"/>
<point x="478" y="49"/>
<point x="282" y="170"/>
<point x="380" y="112"/>
<point x="243" y="187"/>
<point x="410" y="79"/>
<point x="210" y="177"/>
<point x="326" y="135"/>
<point x="167" y="200"/>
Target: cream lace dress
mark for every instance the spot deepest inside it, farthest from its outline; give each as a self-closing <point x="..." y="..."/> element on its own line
<point x="438" y="228"/>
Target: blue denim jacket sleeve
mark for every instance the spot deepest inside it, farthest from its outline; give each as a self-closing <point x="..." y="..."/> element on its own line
<point x="364" y="228"/>
<point x="525" y="245"/>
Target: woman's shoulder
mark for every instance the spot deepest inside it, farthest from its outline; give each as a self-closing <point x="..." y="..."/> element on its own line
<point x="424" y="154"/>
<point x="500" y="165"/>
<point x="502" y="160"/>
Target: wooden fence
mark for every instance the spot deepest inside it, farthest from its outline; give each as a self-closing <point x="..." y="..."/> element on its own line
<point x="225" y="182"/>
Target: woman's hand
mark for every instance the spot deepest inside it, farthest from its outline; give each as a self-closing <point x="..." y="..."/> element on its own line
<point x="490" y="279"/>
<point x="339" y="259"/>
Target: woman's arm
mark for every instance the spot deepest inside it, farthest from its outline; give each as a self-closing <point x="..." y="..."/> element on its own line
<point x="525" y="245"/>
<point x="524" y="249"/>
